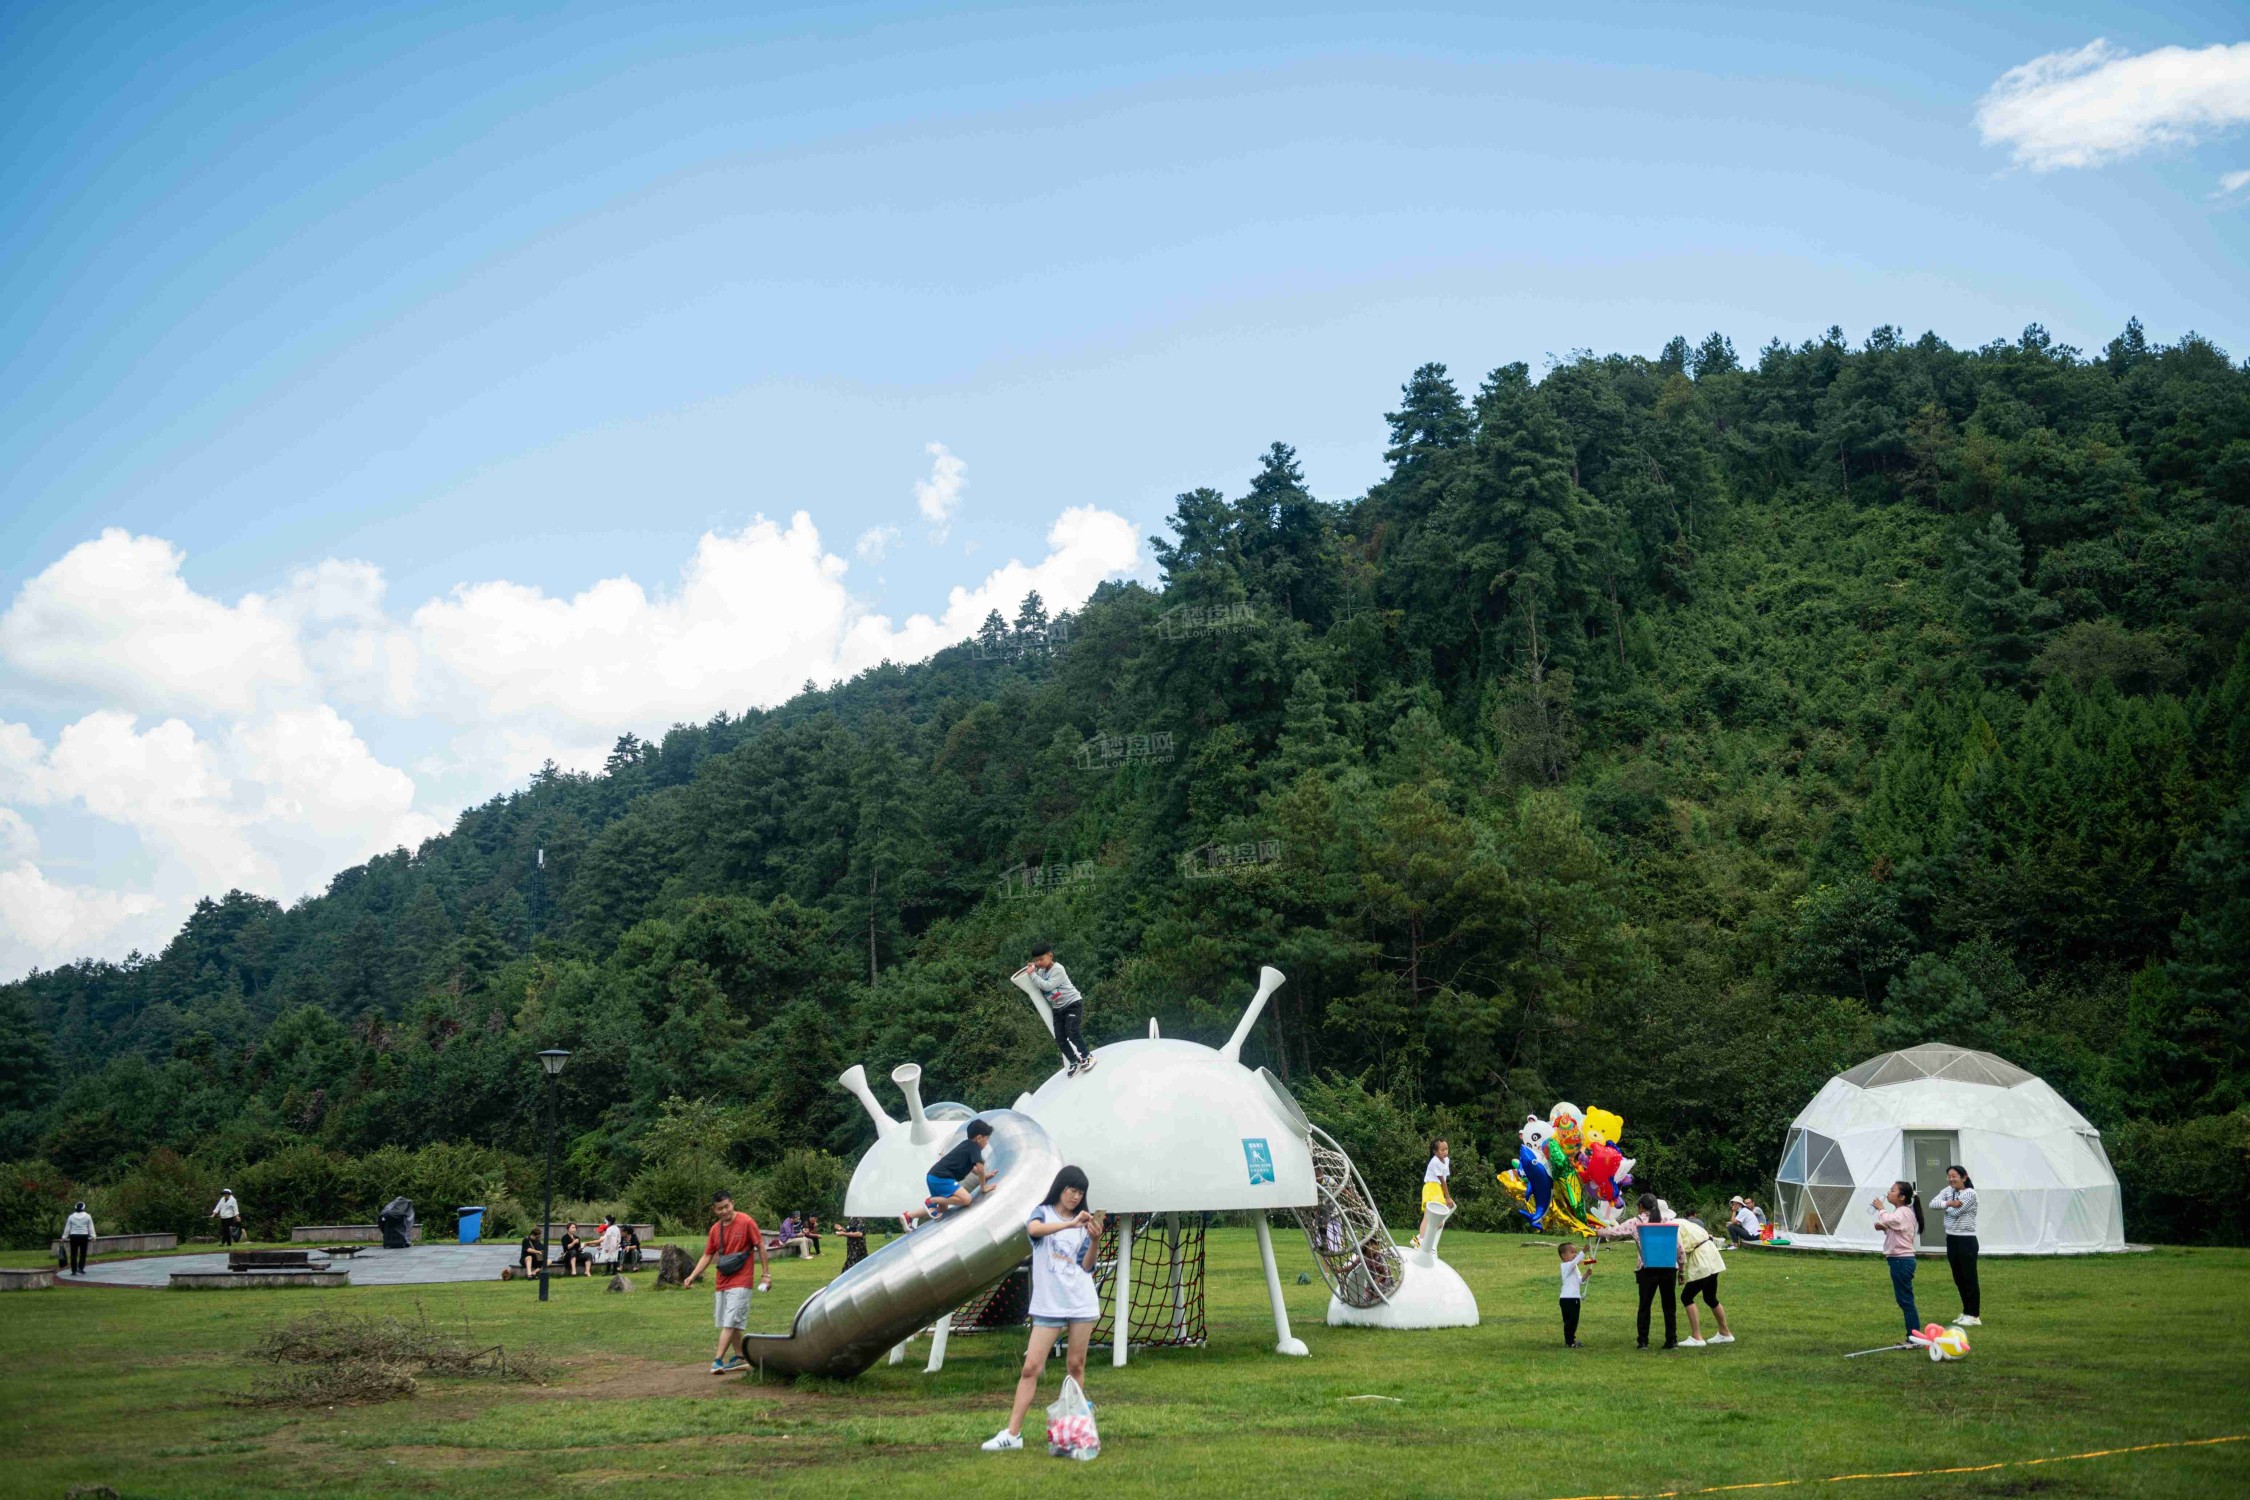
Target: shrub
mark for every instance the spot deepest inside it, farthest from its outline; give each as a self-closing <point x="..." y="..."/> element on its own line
<point x="675" y="1195"/>
<point x="297" y="1185"/>
<point x="2186" y="1182"/>
<point x="437" y="1179"/>
<point x="35" y="1198"/>
<point x="806" y="1181"/>
<point x="1384" y="1139"/>
<point x="165" y="1193"/>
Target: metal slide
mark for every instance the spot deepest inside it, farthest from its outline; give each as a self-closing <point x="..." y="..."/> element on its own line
<point x="854" y="1321"/>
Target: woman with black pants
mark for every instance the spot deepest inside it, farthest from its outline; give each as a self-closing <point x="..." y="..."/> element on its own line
<point x="78" y="1229"/>
<point x="1959" y="1200"/>
<point x="1653" y="1281"/>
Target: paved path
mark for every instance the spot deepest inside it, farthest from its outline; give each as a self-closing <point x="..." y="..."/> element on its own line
<point x="373" y="1266"/>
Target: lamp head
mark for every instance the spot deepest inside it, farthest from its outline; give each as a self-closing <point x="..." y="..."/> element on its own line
<point x="552" y="1060"/>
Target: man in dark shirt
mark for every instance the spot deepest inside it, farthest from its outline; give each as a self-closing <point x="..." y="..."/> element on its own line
<point x="954" y="1178"/>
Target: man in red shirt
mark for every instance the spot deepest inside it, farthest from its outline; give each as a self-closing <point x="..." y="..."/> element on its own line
<point x="739" y="1253"/>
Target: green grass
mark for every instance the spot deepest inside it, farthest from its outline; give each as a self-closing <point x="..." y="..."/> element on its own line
<point x="134" y="1390"/>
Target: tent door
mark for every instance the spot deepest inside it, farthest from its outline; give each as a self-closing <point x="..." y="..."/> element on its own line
<point x="1928" y="1154"/>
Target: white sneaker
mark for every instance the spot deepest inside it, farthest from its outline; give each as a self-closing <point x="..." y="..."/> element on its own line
<point x="1003" y="1441"/>
<point x="1720" y="1338"/>
<point x="1968" y="1320"/>
<point x="1691" y="1343"/>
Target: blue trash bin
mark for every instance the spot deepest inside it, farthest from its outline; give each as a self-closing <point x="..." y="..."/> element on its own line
<point x="472" y="1222"/>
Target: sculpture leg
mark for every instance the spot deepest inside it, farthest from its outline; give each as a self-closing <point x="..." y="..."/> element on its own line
<point x="1122" y="1333"/>
<point x="938" y="1337"/>
<point x="1286" y="1344"/>
<point x="898" y="1352"/>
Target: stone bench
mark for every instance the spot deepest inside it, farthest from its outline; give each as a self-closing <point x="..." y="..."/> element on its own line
<point x="271" y="1260"/>
<point x="231" y="1281"/>
<point x="22" y="1279"/>
<point x="348" y="1234"/>
<point x="118" y="1244"/>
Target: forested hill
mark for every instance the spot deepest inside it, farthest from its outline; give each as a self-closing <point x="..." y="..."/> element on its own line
<point x="1663" y="734"/>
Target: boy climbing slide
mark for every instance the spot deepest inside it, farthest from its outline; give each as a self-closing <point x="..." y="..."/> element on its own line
<point x="955" y="1176"/>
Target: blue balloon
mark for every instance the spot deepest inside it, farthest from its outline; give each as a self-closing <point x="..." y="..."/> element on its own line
<point x="1537" y="1181"/>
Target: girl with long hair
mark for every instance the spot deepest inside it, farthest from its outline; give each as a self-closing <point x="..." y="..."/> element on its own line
<point x="1065" y="1239"/>
<point x="1899" y="1216"/>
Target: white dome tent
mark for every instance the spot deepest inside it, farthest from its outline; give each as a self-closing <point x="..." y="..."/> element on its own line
<point x="2044" y="1183"/>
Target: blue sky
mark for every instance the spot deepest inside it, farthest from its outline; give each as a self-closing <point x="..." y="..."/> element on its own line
<point x="332" y="311"/>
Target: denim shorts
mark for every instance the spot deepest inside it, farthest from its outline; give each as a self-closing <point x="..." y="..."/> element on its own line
<point x="1041" y="1320"/>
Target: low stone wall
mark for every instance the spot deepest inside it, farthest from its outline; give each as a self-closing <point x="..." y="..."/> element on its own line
<point x="346" y="1234"/>
<point x="233" y="1281"/>
<point x="120" y="1244"/>
<point x="592" y="1232"/>
<point x="21" y="1279"/>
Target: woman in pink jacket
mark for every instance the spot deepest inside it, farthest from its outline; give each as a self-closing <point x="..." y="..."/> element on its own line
<point x="1900" y="1218"/>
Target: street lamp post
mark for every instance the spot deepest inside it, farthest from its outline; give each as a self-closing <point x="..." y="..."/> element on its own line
<point x="551" y="1061"/>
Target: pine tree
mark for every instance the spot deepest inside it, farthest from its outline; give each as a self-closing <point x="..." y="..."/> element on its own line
<point x="1995" y="607"/>
<point x="1432" y="417"/>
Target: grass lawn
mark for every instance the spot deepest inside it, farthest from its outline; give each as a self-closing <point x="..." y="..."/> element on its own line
<point x="134" y="1389"/>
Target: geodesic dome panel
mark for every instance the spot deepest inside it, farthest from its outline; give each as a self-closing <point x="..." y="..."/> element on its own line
<point x="1815" y="1181"/>
<point x="1936" y="1060"/>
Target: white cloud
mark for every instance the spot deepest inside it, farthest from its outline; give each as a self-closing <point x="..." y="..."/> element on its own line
<point x="114" y="616"/>
<point x="939" y="496"/>
<point x="2101" y="104"/>
<point x="874" y="542"/>
<point x="18" y="840"/>
<point x="2232" y="183"/>
<point x="43" y="922"/>
<point x="206" y="729"/>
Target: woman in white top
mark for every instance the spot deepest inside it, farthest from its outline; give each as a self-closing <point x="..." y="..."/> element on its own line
<point x="1065" y="1239"/>
<point x="1959" y="1200"/>
<point x="1437" y="1184"/>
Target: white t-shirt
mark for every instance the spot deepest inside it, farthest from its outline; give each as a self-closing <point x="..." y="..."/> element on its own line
<point x="1574" y="1277"/>
<point x="226" y="1208"/>
<point x="1061" y="1286"/>
<point x="1748" y="1218"/>
<point x="1439" y="1169"/>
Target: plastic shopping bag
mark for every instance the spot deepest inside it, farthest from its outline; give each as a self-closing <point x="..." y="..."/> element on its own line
<point x="1070" y="1424"/>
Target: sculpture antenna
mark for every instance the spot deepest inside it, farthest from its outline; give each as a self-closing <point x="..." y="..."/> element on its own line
<point x="854" y="1079"/>
<point x="908" y="1077"/>
<point x="1269" y="980"/>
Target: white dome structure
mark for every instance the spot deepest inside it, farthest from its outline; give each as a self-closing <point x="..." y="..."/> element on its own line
<point x="2044" y="1183"/>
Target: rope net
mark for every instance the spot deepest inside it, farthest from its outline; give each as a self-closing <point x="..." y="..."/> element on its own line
<point x="1166" y="1292"/>
<point x="1349" y="1240"/>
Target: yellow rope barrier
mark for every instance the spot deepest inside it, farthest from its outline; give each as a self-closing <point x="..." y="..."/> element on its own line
<point x="2018" y="1463"/>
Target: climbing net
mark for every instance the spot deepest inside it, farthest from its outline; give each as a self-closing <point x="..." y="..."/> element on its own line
<point x="1348" y="1238"/>
<point x="1166" y="1292"/>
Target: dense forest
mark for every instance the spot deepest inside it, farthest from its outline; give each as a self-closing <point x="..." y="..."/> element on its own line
<point x="1665" y="734"/>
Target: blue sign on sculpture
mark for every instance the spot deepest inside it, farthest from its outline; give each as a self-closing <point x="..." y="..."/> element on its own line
<point x="1260" y="1159"/>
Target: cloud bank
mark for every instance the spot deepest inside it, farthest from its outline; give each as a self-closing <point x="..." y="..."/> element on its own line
<point x="225" y="739"/>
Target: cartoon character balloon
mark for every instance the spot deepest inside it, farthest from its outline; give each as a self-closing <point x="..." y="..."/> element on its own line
<point x="1568" y="1167"/>
<point x="1943" y="1343"/>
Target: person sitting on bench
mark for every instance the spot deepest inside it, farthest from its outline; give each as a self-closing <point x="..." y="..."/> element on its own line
<point x="533" y="1257"/>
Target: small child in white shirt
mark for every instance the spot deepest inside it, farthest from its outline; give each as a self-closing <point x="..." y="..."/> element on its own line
<point x="1575" y="1269"/>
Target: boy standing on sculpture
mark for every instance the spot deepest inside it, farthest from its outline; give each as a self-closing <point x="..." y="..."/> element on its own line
<point x="1067" y="1005"/>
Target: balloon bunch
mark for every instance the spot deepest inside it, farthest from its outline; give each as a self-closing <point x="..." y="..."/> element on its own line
<point x="1941" y="1341"/>
<point x="1568" y="1165"/>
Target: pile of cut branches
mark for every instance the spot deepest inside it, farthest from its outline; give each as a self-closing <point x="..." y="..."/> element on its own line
<point x="340" y="1358"/>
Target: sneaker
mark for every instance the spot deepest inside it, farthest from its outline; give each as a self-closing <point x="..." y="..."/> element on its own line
<point x="1071" y="1071"/>
<point x="1688" y="1344"/>
<point x="1672" y="1345"/>
<point x="1968" y="1320"/>
<point x="1003" y="1441"/>
<point x="1720" y="1338"/>
<point x="1087" y="1066"/>
<point x="718" y="1368"/>
<point x="733" y="1363"/>
<point x="906" y="1223"/>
